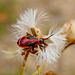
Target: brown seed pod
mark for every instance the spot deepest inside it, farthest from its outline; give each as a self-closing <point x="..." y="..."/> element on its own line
<point x="70" y="30"/>
<point x="49" y="73"/>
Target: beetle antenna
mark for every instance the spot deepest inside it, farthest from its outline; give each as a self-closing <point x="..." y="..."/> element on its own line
<point x="49" y="36"/>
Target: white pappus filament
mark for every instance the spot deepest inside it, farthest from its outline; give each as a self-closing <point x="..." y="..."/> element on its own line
<point x="53" y="50"/>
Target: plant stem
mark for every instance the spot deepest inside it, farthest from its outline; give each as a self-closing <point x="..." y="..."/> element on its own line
<point x="22" y="69"/>
<point x="36" y="73"/>
<point x="38" y="70"/>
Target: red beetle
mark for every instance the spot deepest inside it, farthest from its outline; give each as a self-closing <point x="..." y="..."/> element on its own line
<point x="27" y="41"/>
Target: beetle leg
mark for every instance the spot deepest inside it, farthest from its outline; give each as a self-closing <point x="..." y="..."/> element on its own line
<point x="41" y="47"/>
<point x="25" y="49"/>
<point x="34" y="51"/>
<point x="36" y="46"/>
<point x="33" y="47"/>
<point x="44" y="47"/>
<point x="45" y="44"/>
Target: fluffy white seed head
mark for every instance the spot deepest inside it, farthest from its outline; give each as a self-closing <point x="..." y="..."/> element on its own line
<point x="30" y="18"/>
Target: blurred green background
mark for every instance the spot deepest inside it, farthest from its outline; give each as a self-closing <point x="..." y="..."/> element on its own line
<point x="60" y="11"/>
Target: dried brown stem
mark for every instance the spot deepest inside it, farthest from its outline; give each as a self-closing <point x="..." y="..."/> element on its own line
<point x="38" y="70"/>
<point x="33" y="32"/>
<point x="22" y="69"/>
<point x="26" y="56"/>
<point x="67" y="46"/>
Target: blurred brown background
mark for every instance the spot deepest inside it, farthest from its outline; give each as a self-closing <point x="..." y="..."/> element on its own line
<point x="60" y="11"/>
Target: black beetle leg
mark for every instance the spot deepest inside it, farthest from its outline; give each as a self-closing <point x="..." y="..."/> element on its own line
<point x="33" y="47"/>
<point x="41" y="47"/>
<point x="44" y="47"/>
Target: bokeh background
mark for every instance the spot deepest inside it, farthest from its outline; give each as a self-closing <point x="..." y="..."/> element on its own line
<point x="60" y="11"/>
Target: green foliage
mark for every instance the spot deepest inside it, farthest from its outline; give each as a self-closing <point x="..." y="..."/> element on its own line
<point x="8" y="8"/>
<point x="2" y="28"/>
<point x="7" y="72"/>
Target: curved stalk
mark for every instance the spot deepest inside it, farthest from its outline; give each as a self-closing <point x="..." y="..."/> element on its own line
<point x="36" y="73"/>
<point x="22" y="69"/>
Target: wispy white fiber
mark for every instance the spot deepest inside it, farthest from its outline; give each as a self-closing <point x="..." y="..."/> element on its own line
<point x="17" y="53"/>
<point x="50" y="55"/>
<point x="30" y="18"/>
<point x="9" y="52"/>
<point x="12" y="56"/>
<point x="53" y="49"/>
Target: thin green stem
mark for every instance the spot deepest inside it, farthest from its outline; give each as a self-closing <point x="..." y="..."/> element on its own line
<point x="22" y="69"/>
<point x="36" y="73"/>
